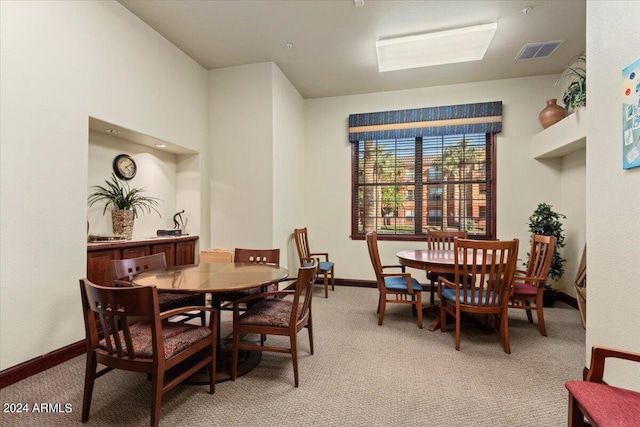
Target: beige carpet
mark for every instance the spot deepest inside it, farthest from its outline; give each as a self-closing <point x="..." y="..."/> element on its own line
<point x="361" y="374"/>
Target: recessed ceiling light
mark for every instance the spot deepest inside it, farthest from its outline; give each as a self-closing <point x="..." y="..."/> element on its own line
<point x="112" y="131"/>
<point x="442" y="47"/>
<point x="161" y="145"/>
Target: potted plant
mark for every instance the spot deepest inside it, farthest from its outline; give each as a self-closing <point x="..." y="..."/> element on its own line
<point x="574" y="80"/>
<point x="546" y="221"/>
<point x="126" y="203"/>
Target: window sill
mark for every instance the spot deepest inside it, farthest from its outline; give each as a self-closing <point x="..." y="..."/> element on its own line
<point x="565" y="137"/>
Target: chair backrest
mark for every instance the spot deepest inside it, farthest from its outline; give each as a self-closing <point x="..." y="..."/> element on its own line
<point x="540" y="258"/>
<point x="258" y="256"/>
<point x="484" y="270"/>
<point x="302" y="244"/>
<point x="437" y="239"/>
<point x="303" y="292"/>
<point x="216" y="255"/>
<point x="372" y="245"/>
<point x="108" y="310"/>
<point x="126" y="269"/>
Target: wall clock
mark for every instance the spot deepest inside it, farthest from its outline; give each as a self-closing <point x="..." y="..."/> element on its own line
<point x="124" y="166"/>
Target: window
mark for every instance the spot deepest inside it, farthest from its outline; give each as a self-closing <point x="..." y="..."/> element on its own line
<point x="404" y="187"/>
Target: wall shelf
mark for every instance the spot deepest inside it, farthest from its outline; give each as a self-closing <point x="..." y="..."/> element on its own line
<point x="562" y="138"/>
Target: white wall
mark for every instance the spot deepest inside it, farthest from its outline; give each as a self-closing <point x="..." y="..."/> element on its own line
<point x="156" y="174"/>
<point x="613" y="205"/>
<point x="256" y="158"/>
<point x="241" y="156"/>
<point x="288" y="167"/>
<point x="61" y="63"/>
<point x="522" y="182"/>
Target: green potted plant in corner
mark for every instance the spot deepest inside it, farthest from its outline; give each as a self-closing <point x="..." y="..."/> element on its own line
<point x="547" y="222"/>
<point x="126" y="203"/>
<point x="574" y="84"/>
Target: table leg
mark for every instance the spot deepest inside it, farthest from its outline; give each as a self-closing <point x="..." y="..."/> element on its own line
<point x="433" y="310"/>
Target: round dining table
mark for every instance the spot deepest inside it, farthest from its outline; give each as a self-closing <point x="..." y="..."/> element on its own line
<point x="215" y="278"/>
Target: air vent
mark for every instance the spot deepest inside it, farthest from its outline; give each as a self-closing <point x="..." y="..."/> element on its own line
<point x="537" y="50"/>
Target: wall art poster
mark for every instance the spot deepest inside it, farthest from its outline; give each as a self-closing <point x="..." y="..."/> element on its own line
<point x="631" y="116"/>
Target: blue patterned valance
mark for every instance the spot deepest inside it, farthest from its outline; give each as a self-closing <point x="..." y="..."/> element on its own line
<point x="485" y="117"/>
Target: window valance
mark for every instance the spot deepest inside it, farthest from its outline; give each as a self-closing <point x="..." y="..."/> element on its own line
<point x="485" y="117"/>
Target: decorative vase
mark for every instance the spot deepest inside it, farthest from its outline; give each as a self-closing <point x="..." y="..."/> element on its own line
<point x="122" y="222"/>
<point x="551" y="114"/>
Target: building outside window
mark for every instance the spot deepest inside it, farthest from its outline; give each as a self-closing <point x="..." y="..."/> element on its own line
<point x="405" y="187"/>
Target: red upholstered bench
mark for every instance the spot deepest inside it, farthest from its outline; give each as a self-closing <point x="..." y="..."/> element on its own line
<point x="603" y="405"/>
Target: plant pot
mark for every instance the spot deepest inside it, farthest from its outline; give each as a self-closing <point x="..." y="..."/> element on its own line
<point x="551" y="114"/>
<point x="122" y="222"/>
<point x="549" y="298"/>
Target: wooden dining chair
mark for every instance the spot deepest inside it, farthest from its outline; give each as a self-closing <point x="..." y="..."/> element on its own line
<point x="124" y="270"/>
<point x="483" y="276"/>
<point x="216" y="255"/>
<point x="440" y="240"/>
<point x="258" y="256"/>
<point x="325" y="267"/>
<point x="283" y="313"/>
<point x="152" y="346"/>
<point x="396" y="288"/>
<point x="528" y="286"/>
<point x="600" y="402"/>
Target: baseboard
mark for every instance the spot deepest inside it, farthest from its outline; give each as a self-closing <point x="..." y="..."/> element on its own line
<point x="562" y="297"/>
<point x="41" y="363"/>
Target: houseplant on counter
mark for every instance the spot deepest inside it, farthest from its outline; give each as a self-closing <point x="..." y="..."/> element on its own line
<point x="546" y="221"/>
<point x="126" y="203"/>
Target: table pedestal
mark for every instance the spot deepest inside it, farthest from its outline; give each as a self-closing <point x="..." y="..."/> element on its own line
<point x="247" y="360"/>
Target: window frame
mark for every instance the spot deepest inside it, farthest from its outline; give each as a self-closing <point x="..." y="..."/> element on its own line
<point x="491" y="139"/>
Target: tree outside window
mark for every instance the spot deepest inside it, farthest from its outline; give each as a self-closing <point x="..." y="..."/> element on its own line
<point x="406" y="187"/>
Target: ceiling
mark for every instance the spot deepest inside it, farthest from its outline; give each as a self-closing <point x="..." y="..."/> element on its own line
<point x="333" y="51"/>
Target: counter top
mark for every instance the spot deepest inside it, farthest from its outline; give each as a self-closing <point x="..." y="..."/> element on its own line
<point x="95" y="246"/>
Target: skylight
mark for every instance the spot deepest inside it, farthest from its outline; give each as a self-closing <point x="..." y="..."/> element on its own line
<point x="428" y="49"/>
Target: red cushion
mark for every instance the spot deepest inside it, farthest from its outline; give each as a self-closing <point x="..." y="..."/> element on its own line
<point x="524" y="289"/>
<point x="606" y="405"/>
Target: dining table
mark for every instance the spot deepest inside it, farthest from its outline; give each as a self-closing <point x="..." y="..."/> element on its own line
<point x="441" y="261"/>
<point x="214" y="279"/>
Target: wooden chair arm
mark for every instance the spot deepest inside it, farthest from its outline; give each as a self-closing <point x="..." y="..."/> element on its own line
<point x="394" y="266"/>
<point x="261" y="295"/>
<point x="533" y="281"/>
<point x="324" y="254"/>
<point x="447" y="283"/>
<point x="598" y="356"/>
<point x="186" y="309"/>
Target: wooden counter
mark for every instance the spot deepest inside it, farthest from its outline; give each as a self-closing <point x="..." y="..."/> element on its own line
<point x="177" y="250"/>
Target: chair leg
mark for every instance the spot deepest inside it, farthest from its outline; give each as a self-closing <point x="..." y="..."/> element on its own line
<point x="326" y="284"/>
<point x="457" y="328"/>
<point x="443" y="318"/>
<point x="89" y="380"/>
<point x="294" y="356"/>
<point x="432" y="297"/>
<point x="333" y="280"/>
<point x="540" y="312"/>
<point x="504" y="331"/>
<point x="234" y="353"/>
<point x="156" y="396"/>
<point x="382" y="307"/>
<point x="527" y="303"/>
<point x="575" y="416"/>
<point x="418" y="306"/>
<point x="310" y="330"/>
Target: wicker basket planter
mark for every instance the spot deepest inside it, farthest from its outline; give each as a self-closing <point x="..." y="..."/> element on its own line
<point x="122" y="222"/>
